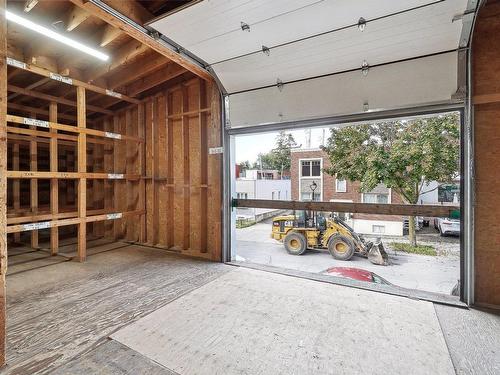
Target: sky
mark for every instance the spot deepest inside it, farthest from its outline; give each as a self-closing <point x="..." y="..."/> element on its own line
<point x="247" y="147"/>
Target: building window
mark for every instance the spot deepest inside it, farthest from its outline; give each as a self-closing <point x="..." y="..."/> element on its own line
<point x="242" y="195"/>
<point x="379" y="229"/>
<point x="272" y="195"/>
<point x="375" y="198"/>
<point x="340" y="186"/>
<point x="308" y="196"/>
<point x="311" y="168"/>
<point x="279" y="195"/>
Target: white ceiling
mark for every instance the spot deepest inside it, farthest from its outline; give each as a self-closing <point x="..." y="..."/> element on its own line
<point x="396" y="30"/>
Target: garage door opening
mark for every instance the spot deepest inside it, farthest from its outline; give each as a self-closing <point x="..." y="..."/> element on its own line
<point x="360" y="179"/>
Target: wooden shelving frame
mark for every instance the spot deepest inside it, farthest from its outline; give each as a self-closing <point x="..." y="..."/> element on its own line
<point x="56" y="135"/>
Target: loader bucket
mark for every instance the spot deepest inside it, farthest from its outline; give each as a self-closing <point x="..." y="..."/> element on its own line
<point x="378" y="255"/>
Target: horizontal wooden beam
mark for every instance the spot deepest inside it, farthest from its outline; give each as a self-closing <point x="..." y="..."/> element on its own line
<point x="486" y="98"/>
<point x="38" y="111"/>
<point x="143" y="38"/>
<point x="27" y="135"/>
<point x="51" y="98"/>
<point x="73" y="175"/>
<point x="365" y="208"/>
<point x="71" y="221"/>
<point x="69" y="81"/>
<point x="75" y="18"/>
<point x="120" y="59"/>
<point x="43" y="216"/>
<point x="137" y="70"/>
<point x="70" y="128"/>
<point x="156" y="78"/>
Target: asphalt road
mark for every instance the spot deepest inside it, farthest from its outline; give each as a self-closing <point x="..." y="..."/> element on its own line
<point x="430" y="273"/>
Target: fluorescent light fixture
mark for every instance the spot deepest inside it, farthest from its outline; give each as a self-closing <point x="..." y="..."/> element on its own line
<point x="56" y="36"/>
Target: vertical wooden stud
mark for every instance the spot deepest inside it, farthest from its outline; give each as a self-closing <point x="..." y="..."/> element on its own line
<point x="82" y="168"/>
<point x="34" y="183"/>
<point x="187" y="177"/>
<point x="202" y="117"/>
<point x="214" y="208"/>
<point x="3" y="175"/>
<point x="54" y="186"/>
<point x="149" y="118"/>
<point x="142" y="170"/>
<point x="16" y="186"/>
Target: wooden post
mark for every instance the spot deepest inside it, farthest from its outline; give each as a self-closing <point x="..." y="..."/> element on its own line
<point x="3" y="175"/>
<point x="34" y="184"/>
<point x="142" y="170"/>
<point x="117" y="225"/>
<point x="54" y="185"/>
<point x="203" y="123"/>
<point x="16" y="185"/>
<point x="187" y="177"/>
<point x="82" y="181"/>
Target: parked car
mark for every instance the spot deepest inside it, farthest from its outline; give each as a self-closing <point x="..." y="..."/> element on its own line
<point x="447" y="226"/>
<point x="356" y="274"/>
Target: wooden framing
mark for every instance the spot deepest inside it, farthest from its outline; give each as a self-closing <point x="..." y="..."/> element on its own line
<point x="70" y="81"/>
<point x="54" y="183"/>
<point x="118" y="150"/>
<point x="82" y="170"/>
<point x="3" y="177"/>
<point x="183" y="197"/>
<point x="143" y="38"/>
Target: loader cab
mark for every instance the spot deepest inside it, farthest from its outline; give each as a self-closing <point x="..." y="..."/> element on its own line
<point x="310" y="219"/>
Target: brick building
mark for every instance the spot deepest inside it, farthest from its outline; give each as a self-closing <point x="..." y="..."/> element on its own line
<point x="309" y="182"/>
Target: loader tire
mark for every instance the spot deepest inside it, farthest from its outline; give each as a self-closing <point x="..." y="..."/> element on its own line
<point x="295" y="243"/>
<point x="341" y="247"/>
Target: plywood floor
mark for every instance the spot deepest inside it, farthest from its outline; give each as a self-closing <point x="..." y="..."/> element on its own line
<point x="255" y="322"/>
<point x="62" y="312"/>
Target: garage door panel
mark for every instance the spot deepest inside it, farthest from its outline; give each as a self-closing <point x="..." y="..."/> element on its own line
<point x="212" y="29"/>
<point x="411" y="83"/>
<point x="425" y="31"/>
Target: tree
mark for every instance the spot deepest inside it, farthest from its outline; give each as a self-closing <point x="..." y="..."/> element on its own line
<point x="244" y="165"/>
<point x="279" y="157"/>
<point x="401" y="154"/>
<point x="281" y="154"/>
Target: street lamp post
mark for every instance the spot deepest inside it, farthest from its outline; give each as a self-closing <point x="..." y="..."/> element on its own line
<point x="313" y="187"/>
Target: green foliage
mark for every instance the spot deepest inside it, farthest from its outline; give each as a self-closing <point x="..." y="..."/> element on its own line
<point x="408" y="248"/>
<point x="279" y="157"/>
<point x="401" y="154"/>
<point x="244" y="165"/>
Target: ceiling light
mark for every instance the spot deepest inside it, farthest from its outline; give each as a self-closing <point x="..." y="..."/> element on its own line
<point x="361" y="24"/>
<point x="56" y="36"/>
<point x="365" y="68"/>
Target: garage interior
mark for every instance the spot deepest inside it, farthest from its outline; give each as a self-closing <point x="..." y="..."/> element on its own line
<point x="116" y="173"/>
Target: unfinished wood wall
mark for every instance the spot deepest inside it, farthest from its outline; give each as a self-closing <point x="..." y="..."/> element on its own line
<point x="183" y="195"/>
<point x="486" y="91"/>
<point x="143" y="174"/>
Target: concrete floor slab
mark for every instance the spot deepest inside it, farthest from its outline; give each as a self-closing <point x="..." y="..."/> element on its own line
<point x="255" y="322"/>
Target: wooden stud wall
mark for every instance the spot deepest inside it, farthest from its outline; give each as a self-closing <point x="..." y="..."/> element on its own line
<point x="184" y="194"/>
<point x="3" y="176"/>
<point x="150" y="162"/>
<point x="486" y="91"/>
<point x="82" y="165"/>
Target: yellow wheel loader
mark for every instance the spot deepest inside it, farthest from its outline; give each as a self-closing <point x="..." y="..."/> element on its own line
<point x="310" y="230"/>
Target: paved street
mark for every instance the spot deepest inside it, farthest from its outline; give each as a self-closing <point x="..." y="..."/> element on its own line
<point x="434" y="274"/>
